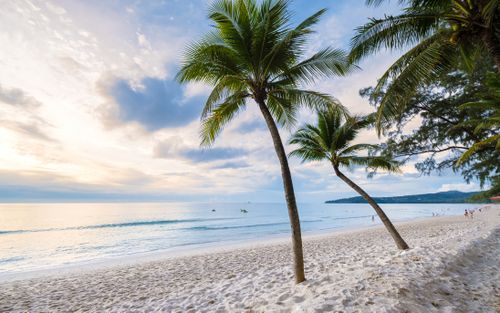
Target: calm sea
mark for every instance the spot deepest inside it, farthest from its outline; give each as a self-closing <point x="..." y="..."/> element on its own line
<point x="49" y="235"/>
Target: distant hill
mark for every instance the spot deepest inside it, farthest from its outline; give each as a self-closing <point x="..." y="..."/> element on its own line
<point x="439" y="197"/>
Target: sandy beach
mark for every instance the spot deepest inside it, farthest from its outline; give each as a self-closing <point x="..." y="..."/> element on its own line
<point x="452" y="266"/>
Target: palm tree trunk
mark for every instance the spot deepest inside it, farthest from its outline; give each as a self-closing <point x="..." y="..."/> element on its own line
<point x="493" y="46"/>
<point x="387" y="223"/>
<point x="293" y="213"/>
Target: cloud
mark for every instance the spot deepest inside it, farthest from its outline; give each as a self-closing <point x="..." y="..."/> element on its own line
<point x="44" y="186"/>
<point x="154" y="103"/>
<point x="250" y="126"/>
<point x="17" y="97"/>
<point x="196" y="89"/>
<point x="21" y="115"/>
<point x="460" y="187"/>
<point x="33" y="130"/>
<point x="174" y="147"/>
<point x="111" y="63"/>
<point x="212" y="154"/>
<point x="232" y="165"/>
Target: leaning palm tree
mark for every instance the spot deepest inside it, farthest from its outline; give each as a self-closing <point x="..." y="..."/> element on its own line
<point x="331" y="140"/>
<point x="438" y="33"/>
<point x="253" y="53"/>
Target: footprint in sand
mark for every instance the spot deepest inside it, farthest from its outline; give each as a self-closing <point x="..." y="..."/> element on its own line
<point x="299" y="299"/>
<point x="284" y="296"/>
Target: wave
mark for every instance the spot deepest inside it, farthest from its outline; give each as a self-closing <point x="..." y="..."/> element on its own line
<point x="113" y="225"/>
<point x="167" y="222"/>
<point x="234" y="227"/>
<point x="12" y="259"/>
<point x="246" y="226"/>
<point x="351" y="217"/>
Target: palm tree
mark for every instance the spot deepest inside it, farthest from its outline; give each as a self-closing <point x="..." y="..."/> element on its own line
<point x="439" y="33"/>
<point x="331" y="140"/>
<point x="253" y="53"/>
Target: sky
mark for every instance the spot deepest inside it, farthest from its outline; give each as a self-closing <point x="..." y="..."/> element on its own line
<point x="90" y="110"/>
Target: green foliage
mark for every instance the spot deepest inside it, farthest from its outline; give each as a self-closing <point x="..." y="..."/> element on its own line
<point x="440" y="34"/>
<point x="486" y="195"/>
<point x="331" y="140"/>
<point x="456" y="113"/>
<point x="489" y="110"/>
<point x="253" y="52"/>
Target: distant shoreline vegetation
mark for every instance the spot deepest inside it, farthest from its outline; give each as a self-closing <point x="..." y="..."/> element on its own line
<point x="439" y="197"/>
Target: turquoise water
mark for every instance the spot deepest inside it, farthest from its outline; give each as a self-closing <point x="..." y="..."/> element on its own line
<point x="48" y="235"/>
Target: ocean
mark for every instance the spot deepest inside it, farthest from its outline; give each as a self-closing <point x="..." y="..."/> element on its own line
<point x="38" y="236"/>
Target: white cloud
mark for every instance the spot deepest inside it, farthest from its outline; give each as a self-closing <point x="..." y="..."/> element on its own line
<point x="59" y="57"/>
<point x="460" y="187"/>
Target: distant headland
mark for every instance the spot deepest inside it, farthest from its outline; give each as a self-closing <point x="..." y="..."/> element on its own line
<point x="453" y="196"/>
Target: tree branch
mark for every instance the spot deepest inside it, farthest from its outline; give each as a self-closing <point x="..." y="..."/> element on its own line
<point x="468" y="131"/>
<point x="431" y="151"/>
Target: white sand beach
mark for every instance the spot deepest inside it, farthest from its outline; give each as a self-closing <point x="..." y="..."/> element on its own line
<point x="452" y="266"/>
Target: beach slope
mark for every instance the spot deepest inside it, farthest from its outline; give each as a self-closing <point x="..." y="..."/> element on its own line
<point x="452" y="266"/>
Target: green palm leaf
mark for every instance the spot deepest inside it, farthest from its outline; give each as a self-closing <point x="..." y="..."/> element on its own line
<point x="415" y="68"/>
<point x="255" y="52"/>
<point x="215" y="119"/>
<point x="478" y="147"/>
<point x="392" y="32"/>
<point x="439" y="32"/>
<point x="331" y="140"/>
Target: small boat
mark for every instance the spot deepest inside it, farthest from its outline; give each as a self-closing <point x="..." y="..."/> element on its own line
<point x="243" y="211"/>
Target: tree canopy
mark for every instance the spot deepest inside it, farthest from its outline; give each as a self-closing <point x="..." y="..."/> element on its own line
<point x="438" y="34"/>
<point x="331" y="139"/>
<point x="446" y="118"/>
<point x="254" y="52"/>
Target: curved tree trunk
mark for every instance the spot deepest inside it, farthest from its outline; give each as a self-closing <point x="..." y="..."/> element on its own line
<point x="387" y="223"/>
<point x="293" y="213"/>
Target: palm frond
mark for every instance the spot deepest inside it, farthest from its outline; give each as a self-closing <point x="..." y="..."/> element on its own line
<point x="254" y="51"/>
<point x="415" y="68"/>
<point x="216" y="118"/>
<point x="375" y="163"/>
<point x="325" y="63"/>
<point x="310" y="99"/>
<point x="489" y="10"/>
<point x="289" y="47"/>
<point x="392" y="32"/>
<point x="440" y="31"/>
<point x="347" y="132"/>
<point x="233" y="25"/>
<point x="282" y="109"/>
<point x="208" y="60"/>
<point x="311" y="147"/>
<point x="493" y="140"/>
<point x="225" y="87"/>
<point x="484" y="105"/>
<point x="330" y="140"/>
<point x="268" y="38"/>
<point x="357" y="148"/>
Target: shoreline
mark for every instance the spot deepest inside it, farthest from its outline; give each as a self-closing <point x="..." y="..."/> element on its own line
<point x="196" y="250"/>
<point x="452" y="266"/>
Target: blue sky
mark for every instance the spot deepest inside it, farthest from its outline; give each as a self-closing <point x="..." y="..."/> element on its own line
<point x="90" y="111"/>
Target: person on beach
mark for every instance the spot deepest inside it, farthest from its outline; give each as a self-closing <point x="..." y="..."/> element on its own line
<point x="466" y="214"/>
<point x="471" y="213"/>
